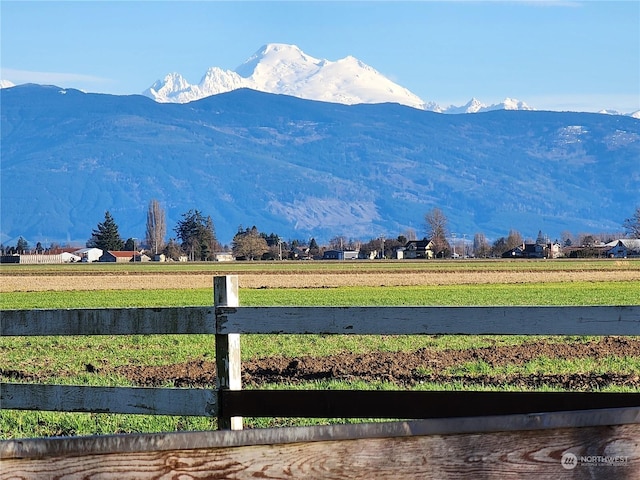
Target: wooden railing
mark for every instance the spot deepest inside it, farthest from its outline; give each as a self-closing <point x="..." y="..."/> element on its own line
<point x="227" y="320"/>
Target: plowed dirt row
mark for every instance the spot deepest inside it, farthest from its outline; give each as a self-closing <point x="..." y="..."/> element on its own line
<point x="401" y="368"/>
<point x="134" y="281"/>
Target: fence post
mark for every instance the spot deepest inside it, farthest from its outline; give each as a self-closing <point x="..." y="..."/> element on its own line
<point x="225" y="293"/>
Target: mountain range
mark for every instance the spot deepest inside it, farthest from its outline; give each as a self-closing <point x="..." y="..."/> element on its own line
<point x="285" y="69"/>
<point x="304" y="168"/>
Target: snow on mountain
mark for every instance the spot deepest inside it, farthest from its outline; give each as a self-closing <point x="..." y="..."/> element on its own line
<point x="635" y="114"/>
<point x="285" y="69"/>
<point x="511" y="104"/>
<point x="475" y="106"/>
<point x="6" y="84"/>
<point x="472" y="106"/>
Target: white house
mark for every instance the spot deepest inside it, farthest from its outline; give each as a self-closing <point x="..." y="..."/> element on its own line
<point x="89" y="254"/>
<point x="623" y="248"/>
<point x="223" y="257"/>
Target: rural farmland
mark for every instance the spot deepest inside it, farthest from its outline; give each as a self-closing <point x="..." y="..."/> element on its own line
<point x="419" y="362"/>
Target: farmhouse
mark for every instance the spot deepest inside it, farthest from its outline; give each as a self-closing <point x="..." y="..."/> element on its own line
<point x="418" y="249"/>
<point x="623" y="248"/>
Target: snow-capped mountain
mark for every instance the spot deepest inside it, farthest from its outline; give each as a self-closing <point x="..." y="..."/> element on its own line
<point x="285" y="69"/>
<point x="635" y="114"/>
<point x="474" y="106"/>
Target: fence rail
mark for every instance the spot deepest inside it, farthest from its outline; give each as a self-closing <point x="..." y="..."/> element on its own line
<point x="227" y="320"/>
<point x="534" y="320"/>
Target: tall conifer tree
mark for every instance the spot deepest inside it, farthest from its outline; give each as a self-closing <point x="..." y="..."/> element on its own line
<point x="106" y="235"/>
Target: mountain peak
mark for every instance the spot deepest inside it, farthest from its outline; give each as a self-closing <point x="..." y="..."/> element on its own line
<point x="274" y="57"/>
<point x="285" y="69"/>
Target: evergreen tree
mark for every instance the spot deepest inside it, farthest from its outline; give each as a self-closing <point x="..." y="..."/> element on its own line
<point x="22" y="246"/>
<point x="198" y="235"/>
<point x="106" y="235"/>
<point x="130" y="245"/>
<point x="541" y="239"/>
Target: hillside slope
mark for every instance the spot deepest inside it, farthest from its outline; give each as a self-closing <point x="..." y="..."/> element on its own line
<point x="303" y="168"/>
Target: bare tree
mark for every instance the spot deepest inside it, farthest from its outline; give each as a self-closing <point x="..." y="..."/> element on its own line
<point x="249" y="244"/>
<point x="567" y="238"/>
<point x="156" y="226"/>
<point x="410" y="234"/>
<point x="481" y="246"/>
<point x="514" y="239"/>
<point x="437" y="230"/>
<point x="339" y="242"/>
<point x="632" y="225"/>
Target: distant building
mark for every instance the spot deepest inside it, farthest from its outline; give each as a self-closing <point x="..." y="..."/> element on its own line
<point x="534" y="250"/>
<point x="623" y="248"/>
<point x="89" y="254"/>
<point x="223" y="257"/>
<point x="10" y="258"/>
<point x="41" y="258"/>
<point x="418" y="249"/>
<point x="117" y="256"/>
<point x="340" y="255"/>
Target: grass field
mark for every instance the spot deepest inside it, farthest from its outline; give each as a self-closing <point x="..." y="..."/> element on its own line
<point x="66" y="359"/>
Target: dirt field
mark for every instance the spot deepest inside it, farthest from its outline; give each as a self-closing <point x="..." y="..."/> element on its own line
<point x="134" y="281"/>
<point x="404" y="369"/>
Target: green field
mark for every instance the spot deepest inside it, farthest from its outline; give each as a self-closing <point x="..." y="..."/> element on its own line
<point x="65" y="359"/>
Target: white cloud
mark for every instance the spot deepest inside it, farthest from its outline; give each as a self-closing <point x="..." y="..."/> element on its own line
<point x="49" y="78"/>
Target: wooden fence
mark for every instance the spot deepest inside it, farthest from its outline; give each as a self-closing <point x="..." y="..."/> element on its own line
<point x="227" y="320"/>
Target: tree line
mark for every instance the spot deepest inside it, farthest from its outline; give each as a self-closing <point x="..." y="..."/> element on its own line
<point x="195" y="238"/>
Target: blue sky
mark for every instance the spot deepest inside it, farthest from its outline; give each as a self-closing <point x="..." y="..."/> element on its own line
<point x="552" y="54"/>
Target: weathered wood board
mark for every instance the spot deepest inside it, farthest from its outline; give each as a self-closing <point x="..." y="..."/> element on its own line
<point x="550" y="446"/>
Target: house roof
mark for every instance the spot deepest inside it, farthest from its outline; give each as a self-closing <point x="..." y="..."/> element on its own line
<point x="424" y="243"/>
<point x="86" y="250"/>
<point x="122" y="253"/>
<point x="629" y="243"/>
